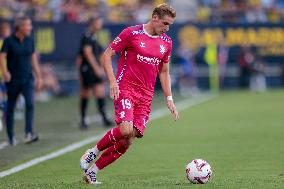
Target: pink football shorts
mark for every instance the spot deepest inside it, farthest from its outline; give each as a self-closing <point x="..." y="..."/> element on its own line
<point x="133" y="107"/>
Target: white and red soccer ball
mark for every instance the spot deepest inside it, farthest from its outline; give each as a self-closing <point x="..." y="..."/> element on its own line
<point x="198" y="171"/>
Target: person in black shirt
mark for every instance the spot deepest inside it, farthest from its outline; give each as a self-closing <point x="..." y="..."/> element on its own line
<point x="91" y="72"/>
<point x="19" y="51"/>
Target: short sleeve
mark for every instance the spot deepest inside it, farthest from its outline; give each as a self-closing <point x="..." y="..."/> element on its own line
<point x="86" y="41"/>
<point x="121" y="41"/>
<point x="5" y="46"/>
<point x="33" y="46"/>
<point x="167" y="56"/>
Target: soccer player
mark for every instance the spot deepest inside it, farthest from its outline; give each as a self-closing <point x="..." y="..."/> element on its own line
<point x="91" y="72"/>
<point x="144" y="53"/>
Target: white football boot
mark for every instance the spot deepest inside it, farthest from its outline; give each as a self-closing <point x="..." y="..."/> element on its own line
<point x="86" y="159"/>
<point x="90" y="177"/>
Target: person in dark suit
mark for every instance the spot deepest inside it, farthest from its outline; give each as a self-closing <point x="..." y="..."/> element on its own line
<point x="18" y="51"/>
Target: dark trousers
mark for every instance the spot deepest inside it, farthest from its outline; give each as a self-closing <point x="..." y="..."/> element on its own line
<point x="245" y="77"/>
<point x="14" y="88"/>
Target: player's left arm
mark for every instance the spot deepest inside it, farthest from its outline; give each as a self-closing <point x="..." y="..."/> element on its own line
<point x="165" y="79"/>
<point x="36" y="69"/>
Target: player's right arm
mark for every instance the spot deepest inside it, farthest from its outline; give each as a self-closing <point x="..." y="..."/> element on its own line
<point x="3" y="58"/>
<point x="119" y="44"/>
<point x="107" y="64"/>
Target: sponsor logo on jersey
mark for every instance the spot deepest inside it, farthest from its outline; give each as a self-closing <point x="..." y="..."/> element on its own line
<point x="149" y="60"/>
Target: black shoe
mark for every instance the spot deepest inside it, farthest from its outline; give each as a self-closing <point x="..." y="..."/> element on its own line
<point x="83" y="126"/>
<point x="31" y="137"/>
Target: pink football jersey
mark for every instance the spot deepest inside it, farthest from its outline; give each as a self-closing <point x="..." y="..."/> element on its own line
<point x="141" y="58"/>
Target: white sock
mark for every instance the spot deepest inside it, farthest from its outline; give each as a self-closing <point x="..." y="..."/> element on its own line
<point x="95" y="150"/>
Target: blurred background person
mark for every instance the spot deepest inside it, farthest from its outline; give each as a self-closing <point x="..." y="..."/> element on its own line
<point x="187" y="81"/>
<point x="211" y="58"/>
<point x="246" y="59"/>
<point x="223" y="55"/>
<point x="257" y="81"/>
<point x="5" y="31"/>
<point x="19" y="52"/>
<point x="91" y="72"/>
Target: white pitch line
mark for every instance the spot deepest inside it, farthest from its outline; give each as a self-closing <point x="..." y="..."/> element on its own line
<point x="182" y="105"/>
<point x="52" y="155"/>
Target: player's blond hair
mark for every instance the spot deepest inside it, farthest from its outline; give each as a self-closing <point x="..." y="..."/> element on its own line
<point x="164" y="10"/>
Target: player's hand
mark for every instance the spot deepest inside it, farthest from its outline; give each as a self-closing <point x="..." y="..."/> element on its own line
<point x="7" y="76"/>
<point x="114" y="90"/>
<point x="173" y="109"/>
<point x="38" y="84"/>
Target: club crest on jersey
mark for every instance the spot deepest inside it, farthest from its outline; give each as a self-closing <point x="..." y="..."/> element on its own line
<point x="162" y="49"/>
<point x="142" y="44"/>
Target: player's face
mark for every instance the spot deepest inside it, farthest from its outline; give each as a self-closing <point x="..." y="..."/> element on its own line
<point x="26" y="27"/>
<point x="162" y="25"/>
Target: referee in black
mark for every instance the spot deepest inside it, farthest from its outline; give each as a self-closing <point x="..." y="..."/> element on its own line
<point x="91" y="72"/>
<point x="19" y="52"/>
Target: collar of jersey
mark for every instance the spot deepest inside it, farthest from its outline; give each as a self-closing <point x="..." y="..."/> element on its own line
<point x="152" y="36"/>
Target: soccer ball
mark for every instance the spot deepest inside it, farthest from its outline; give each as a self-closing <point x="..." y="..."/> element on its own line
<point x="198" y="171"/>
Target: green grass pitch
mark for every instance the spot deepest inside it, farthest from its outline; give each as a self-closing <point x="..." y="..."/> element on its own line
<point x="241" y="134"/>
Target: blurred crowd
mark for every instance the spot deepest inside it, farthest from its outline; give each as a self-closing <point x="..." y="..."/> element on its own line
<point x="231" y="11"/>
<point x="78" y="11"/>
<point x="249" y="68"/>
<point x="123" y="11"/>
